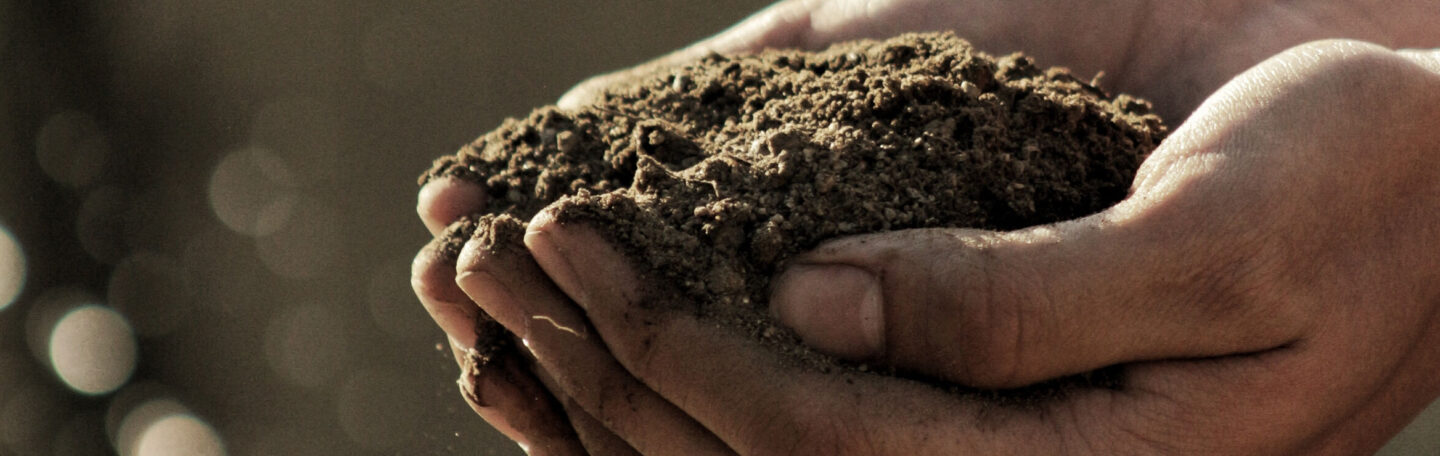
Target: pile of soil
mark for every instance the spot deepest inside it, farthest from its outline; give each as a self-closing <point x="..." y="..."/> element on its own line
<point x="711" y="177"/>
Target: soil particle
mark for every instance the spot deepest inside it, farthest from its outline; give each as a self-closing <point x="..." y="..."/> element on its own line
<point x="495" y="232"/>
<point x="710" y="178"/>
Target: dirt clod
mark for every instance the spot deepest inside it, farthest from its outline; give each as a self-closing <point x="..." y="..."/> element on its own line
<point x="711" y="177"/>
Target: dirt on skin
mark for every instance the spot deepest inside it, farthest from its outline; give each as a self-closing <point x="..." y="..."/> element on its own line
<point x="710" y="178"/>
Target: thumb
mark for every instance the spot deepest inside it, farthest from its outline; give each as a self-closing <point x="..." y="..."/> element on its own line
<point x="1001" y="310"/>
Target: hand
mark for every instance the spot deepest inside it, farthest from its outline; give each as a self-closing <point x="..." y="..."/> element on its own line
<point x="1192" y="51"/>
<point x="509" y="392"/>
<point x="1174" y="54"/>
<point x="1277" y="250"/>
<point x="1274" y="250"/>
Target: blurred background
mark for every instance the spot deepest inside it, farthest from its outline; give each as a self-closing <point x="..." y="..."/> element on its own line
<point x="207" y="211"/>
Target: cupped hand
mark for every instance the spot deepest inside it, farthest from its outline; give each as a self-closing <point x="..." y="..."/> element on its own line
<point x="1174" y="54"/>
<point x="1268" y="288"/>
<point x="509" y="392"/>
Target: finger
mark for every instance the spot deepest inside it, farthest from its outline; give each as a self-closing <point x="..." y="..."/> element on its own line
<point x="1011" y="309"/>
<point x="1214" y="254"/>
<point x="432" y="276"/>
<point x="597" y="439"/>
<point x="1145" y="280"/>
<point x="1426" y="58"/>
<point x="495" y="384"/>
<point x="761" y="402"/>
<point x="503" y="391"/>
<point x="507" y="283"/>
<point x="444" y="200"/>
<point x="1379" y="322"/>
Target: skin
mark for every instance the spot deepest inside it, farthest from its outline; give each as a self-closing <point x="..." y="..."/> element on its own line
<point x="1267" y="288"/>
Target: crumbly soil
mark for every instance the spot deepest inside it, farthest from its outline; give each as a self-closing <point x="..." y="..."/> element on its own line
<point x="710" y="178"/>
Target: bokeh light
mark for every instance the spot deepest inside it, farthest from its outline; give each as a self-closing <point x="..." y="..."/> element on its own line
<point x="138" y="418"/>
<point x="236" y="179"/>
<point x="305" y="246"/>
<point x="126" y="401"/>
<point x="252" y="191"/>
<point x="306" y="344"/>
<point x="267" y="150"/>
<point x="12" y="268"/>
<point x="71" y="148"/>
<point x="45" y="312"/>
<point x="179" y="435"/>
<point x="93" y="349"/>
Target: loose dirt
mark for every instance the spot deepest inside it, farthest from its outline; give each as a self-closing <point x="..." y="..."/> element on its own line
<point x="712" y="177"/>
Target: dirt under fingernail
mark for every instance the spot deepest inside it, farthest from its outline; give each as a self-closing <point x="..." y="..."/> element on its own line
<point x="710" y="178"/>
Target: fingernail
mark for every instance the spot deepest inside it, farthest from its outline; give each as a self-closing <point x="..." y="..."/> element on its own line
<point x="555" y="262"/>
<point x="836" y="309"/>
<point x="460" y="344"/>
<point x="443" y="200"/>
<point x="490" y="294"/>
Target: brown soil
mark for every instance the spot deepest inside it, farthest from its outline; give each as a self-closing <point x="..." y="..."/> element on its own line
<point x="711" y="177"/>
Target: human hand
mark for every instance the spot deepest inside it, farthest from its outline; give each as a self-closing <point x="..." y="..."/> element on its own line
<point x="1174" y="54"/>
<point x="1183" y="53"/>
<point x="509" y="391"/>
<point x="1268" y="288"/>
<point x="1275" y="250"/>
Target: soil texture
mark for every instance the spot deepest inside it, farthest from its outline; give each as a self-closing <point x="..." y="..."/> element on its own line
<point x="712" y="177"/>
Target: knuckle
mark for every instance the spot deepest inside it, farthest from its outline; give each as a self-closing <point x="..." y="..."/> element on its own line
<point x="965" y="318"/>
<point x="1001" y="327"/>
<point x="990" y="307"/>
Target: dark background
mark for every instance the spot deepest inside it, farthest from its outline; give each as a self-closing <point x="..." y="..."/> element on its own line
<point x="234" y="181"/>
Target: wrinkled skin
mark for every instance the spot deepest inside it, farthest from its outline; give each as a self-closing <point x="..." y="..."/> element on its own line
<point x="1269" y="286"/>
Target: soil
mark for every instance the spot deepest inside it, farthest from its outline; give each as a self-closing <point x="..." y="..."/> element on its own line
<point x="711" y="177"/>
